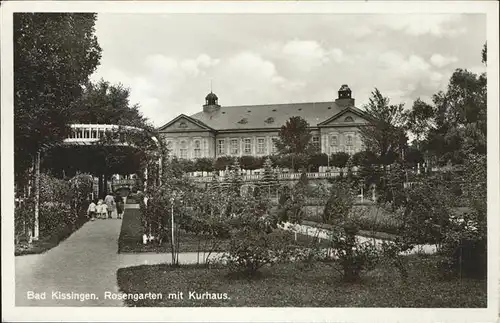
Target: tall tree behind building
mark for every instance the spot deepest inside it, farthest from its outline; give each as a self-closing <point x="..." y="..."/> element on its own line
<point x="384" y="135"/>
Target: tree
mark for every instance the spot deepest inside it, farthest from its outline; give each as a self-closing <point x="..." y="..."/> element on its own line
<point x="460" y="118"/>
<point x="295" y="140"/>
<point x="384" y="135"/>
<point x="105" y="103"/>
<point x="269" y="180"/>
<point x="54" y="55"/>
<point x="420" y="120"/>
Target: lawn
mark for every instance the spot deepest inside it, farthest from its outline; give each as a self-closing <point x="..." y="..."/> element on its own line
<point x="295" y="285"/>
<point x="130" y="240"/>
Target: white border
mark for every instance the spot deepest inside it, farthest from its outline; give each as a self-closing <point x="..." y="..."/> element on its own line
<point x="11" y="313"/>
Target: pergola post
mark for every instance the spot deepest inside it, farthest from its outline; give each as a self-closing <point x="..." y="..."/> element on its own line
<point x="159" y="170"/>
<point x="145" y="179"/>
<point x="37" y="197"/>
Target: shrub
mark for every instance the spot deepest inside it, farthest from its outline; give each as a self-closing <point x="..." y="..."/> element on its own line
<point x="317" y="160"/>
<point x="23" y="219"/>
<point x="464" y="247"/>
<point x="364" y="158"/>
<point x="351" y="255"/>
<point x="250" y="250"/>
<point x="204" y="164"/>
<point x="251" y="162"/>
<point x="222" y="162"/>
<point x="54" y="217"/>
<point x="339" y="159"/>
<point x="427" y="213"/>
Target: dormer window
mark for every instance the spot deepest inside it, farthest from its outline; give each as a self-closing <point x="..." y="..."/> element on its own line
<point x="348" y="119"/>
<point x="243" y="121"/>
<point x="269" y="120"/>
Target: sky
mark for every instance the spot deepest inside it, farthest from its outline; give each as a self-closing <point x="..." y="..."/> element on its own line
<point x="170" y="61"/>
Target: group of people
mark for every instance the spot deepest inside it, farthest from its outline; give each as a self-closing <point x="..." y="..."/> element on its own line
<point x="104" y="209"/>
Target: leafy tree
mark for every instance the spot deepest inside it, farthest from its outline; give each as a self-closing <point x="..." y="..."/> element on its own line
<point x="364" y="158"/>
<point x="460" y="118"/>
<point x="384" y="135"/>
<point x="420" y="120"/>
<point x="105" y="103"/>
<point x="54" y="55"/>
<point x="295" y="140"/>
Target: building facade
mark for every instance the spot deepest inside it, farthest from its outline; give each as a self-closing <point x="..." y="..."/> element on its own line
<point x="251" y="130"/>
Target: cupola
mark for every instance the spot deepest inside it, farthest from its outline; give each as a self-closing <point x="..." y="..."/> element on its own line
<point x="211" y="103"/>
<point x="344" y="99"/>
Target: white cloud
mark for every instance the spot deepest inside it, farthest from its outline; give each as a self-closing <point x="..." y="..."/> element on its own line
<point x="441" y="61"/>
<point x="199" y="64"/>
<point x="417" y="24"/>
<point x="309" y="54"/>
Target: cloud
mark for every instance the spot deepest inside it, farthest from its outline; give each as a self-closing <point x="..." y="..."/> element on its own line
<point x="308" y="54"/>
<point x="198" y="65"/>
<point x="441" y="61"/>
<point x="438" y="25"/>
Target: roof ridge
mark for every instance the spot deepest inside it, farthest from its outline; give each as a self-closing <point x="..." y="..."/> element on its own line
<point x="274" y="104"/>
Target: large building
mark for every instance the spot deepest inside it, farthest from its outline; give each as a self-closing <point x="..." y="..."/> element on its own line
<point x="250" y="129"/>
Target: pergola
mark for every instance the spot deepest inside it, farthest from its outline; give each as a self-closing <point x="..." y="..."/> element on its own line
<point x="86" y="135"/>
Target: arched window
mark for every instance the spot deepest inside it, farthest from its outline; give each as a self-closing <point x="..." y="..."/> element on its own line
<point x="349" y="119"/>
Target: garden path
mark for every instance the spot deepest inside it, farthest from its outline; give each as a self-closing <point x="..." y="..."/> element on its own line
<point x="86" y="262"/>
<point x="324" y="234"/>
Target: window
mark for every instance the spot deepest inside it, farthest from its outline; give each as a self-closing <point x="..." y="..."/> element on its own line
<point x="197" y="149"/>
<point x="183" y="149"/>
<point x="221" y="149"/>
<point x="315" y="142"/>
<point x="169" y="144"/>
<point x="349" y="150"/>
<point x="349" y="140"/>
<point x="334" y="140"/>
<point x="261" y="145"/>
<point x="274" y="149"/>
<point x="247" y="146"/>
<point x="349" y="119"/>
<point x="234" y="147"/>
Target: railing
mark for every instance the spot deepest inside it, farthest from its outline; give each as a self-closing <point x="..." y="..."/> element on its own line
<point x="281" y="176"/>
<point x="91" y="133"/>
<point x="124" y="181"/>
